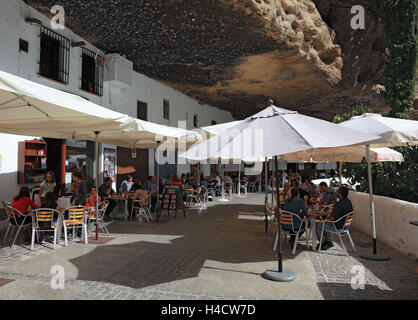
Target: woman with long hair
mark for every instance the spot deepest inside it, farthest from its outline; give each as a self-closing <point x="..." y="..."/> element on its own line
<point x="48" y="185"/>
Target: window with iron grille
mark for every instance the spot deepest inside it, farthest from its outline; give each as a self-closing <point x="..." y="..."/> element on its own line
<point x="92" y="72"/>
<point x="166" y="109"/>
<point x="55" y="56"/>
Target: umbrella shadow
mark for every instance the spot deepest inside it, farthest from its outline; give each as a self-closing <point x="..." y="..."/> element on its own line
<point x="218" y="237"/>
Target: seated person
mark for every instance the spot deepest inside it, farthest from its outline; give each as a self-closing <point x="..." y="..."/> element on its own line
<point x="175" y="180"/>
<point x="296" y="206"/>
<point x="23" y="203"/>
<point x="91" y="200"/>
<point x="303" y="191"/>
<point x="285" y="193"/>
<point x="203" y="181"/>
<point x="127" y="185"/>
<point x="106" y="191"/>
<point x="341" y="208"/>
<point x="140" y="194"/>
<point x="328" y="194"/>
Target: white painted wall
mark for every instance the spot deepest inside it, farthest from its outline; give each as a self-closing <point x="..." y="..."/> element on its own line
<point x="392" y="221"/>
<point x="13" y="27"/>
<point x="8" y="165"/>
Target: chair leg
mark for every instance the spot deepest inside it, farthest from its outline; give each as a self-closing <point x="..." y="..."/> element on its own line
<point x="15" y="238"/>
<point x="322" y="235"/>
<point x="5" y="235"/>
<point x="85" y="234"/>
<point x="351" y="241"/>
<point x="342" y="244"/>
<point x="33" y="239"/>
<point x="55" y="238"/>
<point x="65" y="235"/>
<point x="296" y="243"/>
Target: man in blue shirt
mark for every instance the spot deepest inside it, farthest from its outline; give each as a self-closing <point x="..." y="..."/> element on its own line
<point x="298" y="207"/>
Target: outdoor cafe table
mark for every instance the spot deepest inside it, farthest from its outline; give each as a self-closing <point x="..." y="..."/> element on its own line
<point x="124" y="200"/>
<point x="312" y="217"/>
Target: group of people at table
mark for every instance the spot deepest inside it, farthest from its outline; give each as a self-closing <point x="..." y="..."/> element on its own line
<point x="322" y="202"/>
<point x="303" y="199"/>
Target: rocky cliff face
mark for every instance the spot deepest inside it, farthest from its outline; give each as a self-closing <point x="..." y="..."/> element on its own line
<point x="236" y="54"/>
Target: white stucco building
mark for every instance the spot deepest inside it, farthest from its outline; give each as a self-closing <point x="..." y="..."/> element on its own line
<point x="22" y="29"/>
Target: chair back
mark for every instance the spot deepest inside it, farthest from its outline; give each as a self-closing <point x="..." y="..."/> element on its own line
<point x="102" y="207"/>
<point x="76" y="215"/>
<point x="348" y="221"/>
<point x="44" y="215"/>
<point x="286" y="219"/>
<point x="9" y="210"/>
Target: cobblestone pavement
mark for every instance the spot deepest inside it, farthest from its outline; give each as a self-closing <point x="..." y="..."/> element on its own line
<point x="216" y="254"/>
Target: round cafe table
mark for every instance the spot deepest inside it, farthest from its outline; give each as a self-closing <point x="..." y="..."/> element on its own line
<point x="312" y="221"/>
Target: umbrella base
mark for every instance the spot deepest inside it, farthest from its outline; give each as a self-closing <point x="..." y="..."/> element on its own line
<point x="285" y="276"/>
<point x="374" y="257"/>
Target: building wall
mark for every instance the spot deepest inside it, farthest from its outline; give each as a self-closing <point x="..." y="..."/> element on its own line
<point x="13" y="27"/>
<point x="392" y="218"/>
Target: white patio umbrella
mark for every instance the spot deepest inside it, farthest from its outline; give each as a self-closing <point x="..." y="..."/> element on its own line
<point x="345" y="154"/>
<point x="392" y="132"/>
<point x="32" y="109"/>
<point x="270" y="133"/>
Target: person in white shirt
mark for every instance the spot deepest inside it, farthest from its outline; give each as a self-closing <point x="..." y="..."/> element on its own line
<point x="127" y="185"/>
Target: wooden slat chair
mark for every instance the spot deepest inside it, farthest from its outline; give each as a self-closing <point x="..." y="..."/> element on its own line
<point x="76" y="218"/>
<point x="288" y="228"/>
<point x="44" y="216"/>
<point x="348" y="218"/>
<point x="13" y="223"/>
<point x="195" y="195"/>
<point x="92" y="216"/>
<point x="140" y="207"/>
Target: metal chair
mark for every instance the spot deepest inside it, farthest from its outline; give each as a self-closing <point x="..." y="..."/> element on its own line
<point x="228" y="188"/>
<point x="286" y="220"/>
<point x="252" y="187"/>
<point x="76" y="219"/>
<point x="142" y="207"/>
<point x="244" y="186"/>
<point x="43" y="216"/>
<point x="102" y="210"/>
<point x="348" y="219"/>
<point x="13" y="221"/>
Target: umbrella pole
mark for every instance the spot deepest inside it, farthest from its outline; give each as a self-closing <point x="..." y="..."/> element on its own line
<point x="340" y="173"/>
<point x="281" y="275"/>
<point x="96" y="157"/>
<point x="273" y="178"/>
<point x="374" y="256"/>
<point x="266" y="194"/>
<point x="223" y="184"/>
<point x="239" y="180"/>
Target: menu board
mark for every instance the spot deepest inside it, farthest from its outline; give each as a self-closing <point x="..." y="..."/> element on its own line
<point x="110" y="163"/>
